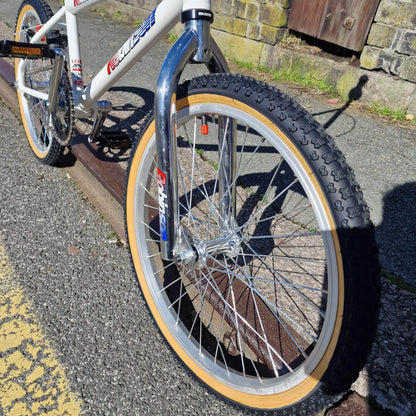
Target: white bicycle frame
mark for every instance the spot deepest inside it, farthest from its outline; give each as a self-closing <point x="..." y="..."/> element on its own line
<point x="196" y="45"/>
<point x="160" y="21"/>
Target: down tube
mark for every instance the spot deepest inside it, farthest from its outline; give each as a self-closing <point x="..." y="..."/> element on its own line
<point x="157" y="24"/>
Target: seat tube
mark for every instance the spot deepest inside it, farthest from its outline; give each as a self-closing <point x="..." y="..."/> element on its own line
<point x="74" y="56"/>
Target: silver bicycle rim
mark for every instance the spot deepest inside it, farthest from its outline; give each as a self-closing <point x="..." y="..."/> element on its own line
<point x="37" y="73"/>
<point x="306" y="296"/>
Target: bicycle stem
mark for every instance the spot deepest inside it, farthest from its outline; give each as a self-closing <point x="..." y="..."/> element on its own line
<point x="195" y="45"/>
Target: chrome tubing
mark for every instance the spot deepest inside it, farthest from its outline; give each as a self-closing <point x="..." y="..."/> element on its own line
<point x="195" y="45"/>
<point x="55" y="80"/>
<point x="165" y="115"/>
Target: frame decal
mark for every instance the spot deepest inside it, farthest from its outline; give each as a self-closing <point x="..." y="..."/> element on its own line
<point x="131" y="43"/>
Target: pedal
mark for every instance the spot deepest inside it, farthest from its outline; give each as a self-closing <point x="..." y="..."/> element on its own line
<point x="11" y="49"/>
<point x="113" y="139"/>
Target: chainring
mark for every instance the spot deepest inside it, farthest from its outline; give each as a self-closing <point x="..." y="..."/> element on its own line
<point x="62" y="121"/>
<point x="59" y="125"/>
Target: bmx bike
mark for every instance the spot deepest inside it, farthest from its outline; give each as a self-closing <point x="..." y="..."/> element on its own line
<point x="247" y="230"/>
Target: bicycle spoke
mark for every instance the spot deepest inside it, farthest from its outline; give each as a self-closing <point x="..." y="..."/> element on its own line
<point x="252" y="299"/>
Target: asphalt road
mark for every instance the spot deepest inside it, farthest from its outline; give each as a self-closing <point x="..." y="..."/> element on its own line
<point x="381" y="153"/>
<point x="88" y="304"/>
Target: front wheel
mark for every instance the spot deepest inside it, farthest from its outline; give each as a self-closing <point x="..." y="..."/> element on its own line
<point x="279" y="305"/>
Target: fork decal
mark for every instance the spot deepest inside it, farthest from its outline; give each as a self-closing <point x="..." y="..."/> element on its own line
<point x="161" y="182"/>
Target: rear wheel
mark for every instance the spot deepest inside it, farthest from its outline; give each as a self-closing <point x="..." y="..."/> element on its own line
<point x="42" y="129"/>
<point x="277" y="307"/>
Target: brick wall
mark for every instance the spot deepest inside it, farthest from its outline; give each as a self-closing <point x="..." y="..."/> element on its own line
<point x="391" y="44"/>
<point x="249" y="30"/>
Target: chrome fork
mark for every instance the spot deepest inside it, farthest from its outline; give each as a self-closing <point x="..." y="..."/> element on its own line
<point x="197" y="46"/>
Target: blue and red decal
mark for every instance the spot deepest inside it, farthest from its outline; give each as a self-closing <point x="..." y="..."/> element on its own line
<point x="161" y="182"/>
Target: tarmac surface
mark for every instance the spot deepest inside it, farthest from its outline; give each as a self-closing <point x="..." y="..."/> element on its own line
<point x="98" y="323"/>
<point x="78" y="282"/>
<point x="381" y="154"/>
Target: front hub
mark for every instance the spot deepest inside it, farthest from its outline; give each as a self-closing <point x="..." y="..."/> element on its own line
<point x="197" y="252"/>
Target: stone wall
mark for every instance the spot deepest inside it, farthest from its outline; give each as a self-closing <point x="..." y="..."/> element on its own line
<point x="246" y="28"/>
<point x="391" y="44"/>
<point x="243" y="28"/>
<point x="258" y="20"/>
<point x="251" y="30"/>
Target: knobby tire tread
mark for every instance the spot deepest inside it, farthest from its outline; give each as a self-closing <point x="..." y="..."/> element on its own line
<point x="351" y="214"/>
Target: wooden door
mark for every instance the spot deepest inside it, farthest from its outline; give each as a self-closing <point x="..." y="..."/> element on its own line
<point x="342" y="22"/>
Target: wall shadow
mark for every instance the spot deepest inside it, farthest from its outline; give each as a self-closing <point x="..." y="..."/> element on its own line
<point x="396" y="235"/>
<point x="391" y="362"/>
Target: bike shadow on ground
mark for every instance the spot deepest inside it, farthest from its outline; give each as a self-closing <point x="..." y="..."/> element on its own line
<point x="354" y="95"/>
<point x="131" y="107"/>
